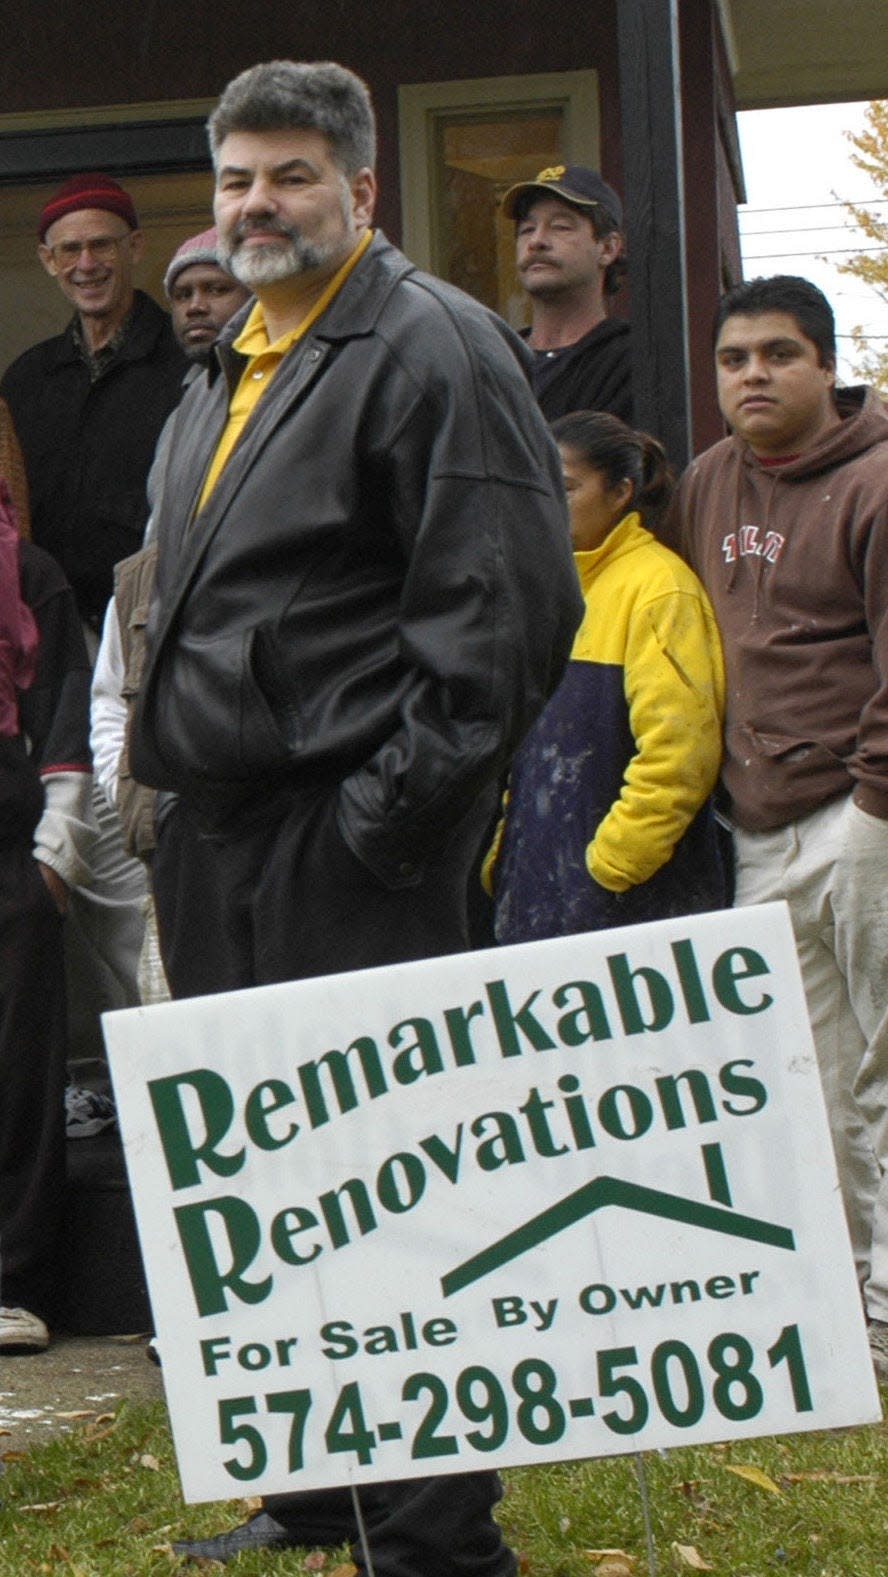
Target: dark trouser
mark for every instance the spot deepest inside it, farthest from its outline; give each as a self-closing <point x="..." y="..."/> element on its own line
<point x="33" y="1045"/>
<point x="278" y="895"/>
<point x="196" y="957"/>
<point x="417" y="1527"/>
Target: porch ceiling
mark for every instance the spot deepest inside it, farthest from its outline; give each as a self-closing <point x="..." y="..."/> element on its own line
<point x="786" y="52"/>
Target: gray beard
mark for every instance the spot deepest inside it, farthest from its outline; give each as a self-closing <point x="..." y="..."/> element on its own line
<point x="289" y="256"/>
<point x="268" y="264"/>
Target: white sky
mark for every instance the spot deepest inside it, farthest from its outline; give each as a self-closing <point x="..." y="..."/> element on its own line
<point x="795" y="162"/>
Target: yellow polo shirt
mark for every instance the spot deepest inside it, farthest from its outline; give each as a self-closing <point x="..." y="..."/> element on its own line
<point x="263" y="363"/>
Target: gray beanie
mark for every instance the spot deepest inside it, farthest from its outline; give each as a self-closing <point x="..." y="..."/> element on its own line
<point x="203" y="248"/>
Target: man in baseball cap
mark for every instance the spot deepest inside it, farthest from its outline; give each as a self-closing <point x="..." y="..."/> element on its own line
<point x="570" y="260"/>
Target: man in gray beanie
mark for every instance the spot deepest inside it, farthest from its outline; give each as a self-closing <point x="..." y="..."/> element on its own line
<point x="202" y="297"/>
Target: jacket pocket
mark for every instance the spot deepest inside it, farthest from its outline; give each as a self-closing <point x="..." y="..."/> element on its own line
<point x="787" y="748"/>
<point x="268" y="730"/>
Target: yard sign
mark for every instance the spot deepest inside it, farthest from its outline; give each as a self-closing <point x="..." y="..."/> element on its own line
<point x="550" y="1201"/>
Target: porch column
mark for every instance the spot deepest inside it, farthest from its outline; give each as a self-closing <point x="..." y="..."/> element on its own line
<point x="653" y="194"/>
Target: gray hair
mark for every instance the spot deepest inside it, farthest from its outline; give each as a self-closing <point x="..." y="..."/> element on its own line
<point x="289" y="95"/>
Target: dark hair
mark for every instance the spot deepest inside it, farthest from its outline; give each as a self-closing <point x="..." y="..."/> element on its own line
<point x="602" y="222"/>
<point x="290" y="95"/>
<point x="608" y="445"/>
<point x="788" y="293"/>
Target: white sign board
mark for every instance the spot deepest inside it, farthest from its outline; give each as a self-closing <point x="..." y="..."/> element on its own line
<point x="560" y="1200"/>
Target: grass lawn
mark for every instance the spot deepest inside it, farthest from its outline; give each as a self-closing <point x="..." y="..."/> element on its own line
<point x="103" y="1501"/>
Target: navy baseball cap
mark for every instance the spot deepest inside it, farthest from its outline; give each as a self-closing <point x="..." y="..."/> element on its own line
<point x="575" y="183"/>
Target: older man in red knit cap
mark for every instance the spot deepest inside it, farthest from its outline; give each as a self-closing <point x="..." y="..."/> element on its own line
<point x="88" y="406"/>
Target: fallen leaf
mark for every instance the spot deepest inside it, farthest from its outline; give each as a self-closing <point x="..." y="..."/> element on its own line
<point x="688" y="1556"/>
<point x="147" y="1460"/>
<point x="46" y="1505"/>
<point x="753" y="1475"/>
<point x="345" y="1571"/>
<point x="83" y="1412"/>
<point x="614" y="1566"/>
<point x="315" y="1562"/>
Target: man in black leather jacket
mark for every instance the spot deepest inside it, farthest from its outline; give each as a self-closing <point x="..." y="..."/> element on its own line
<point x="365" y="596"/>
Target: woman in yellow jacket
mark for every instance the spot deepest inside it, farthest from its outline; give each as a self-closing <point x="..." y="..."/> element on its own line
<point x="608" y="819"/>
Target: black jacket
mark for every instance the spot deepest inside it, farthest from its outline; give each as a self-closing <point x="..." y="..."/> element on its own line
<point x="595" y="374"/>
<point x="88" y="446"/>
<point x="379" y="592"/>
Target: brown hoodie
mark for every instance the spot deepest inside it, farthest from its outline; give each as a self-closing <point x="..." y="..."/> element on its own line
<point x="795" y="561"/>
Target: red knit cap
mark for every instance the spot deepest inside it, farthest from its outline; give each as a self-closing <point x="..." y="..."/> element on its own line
<point x="87" y="191"/>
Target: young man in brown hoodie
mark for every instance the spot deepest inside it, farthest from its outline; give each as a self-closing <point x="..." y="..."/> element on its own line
<point x="786" y="523"/>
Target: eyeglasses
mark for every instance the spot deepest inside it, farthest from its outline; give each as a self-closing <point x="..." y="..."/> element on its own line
<point x="66" y="254"/>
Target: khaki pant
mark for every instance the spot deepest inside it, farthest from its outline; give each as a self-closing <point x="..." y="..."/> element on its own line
<point x="103" y="937"/>
<point x="832" y="869"/>
<point x="152" y="980"/>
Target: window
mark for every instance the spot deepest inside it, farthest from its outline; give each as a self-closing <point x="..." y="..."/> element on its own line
<point x="463" y="144"/>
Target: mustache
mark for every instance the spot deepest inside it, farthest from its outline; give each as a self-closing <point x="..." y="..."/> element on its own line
<point x="268" y="226"/>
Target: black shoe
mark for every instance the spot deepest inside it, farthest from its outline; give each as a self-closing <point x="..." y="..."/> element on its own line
<point x="260" y="1533"/>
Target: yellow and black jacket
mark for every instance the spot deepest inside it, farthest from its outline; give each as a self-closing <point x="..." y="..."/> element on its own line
<point x="607" y="819"/>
